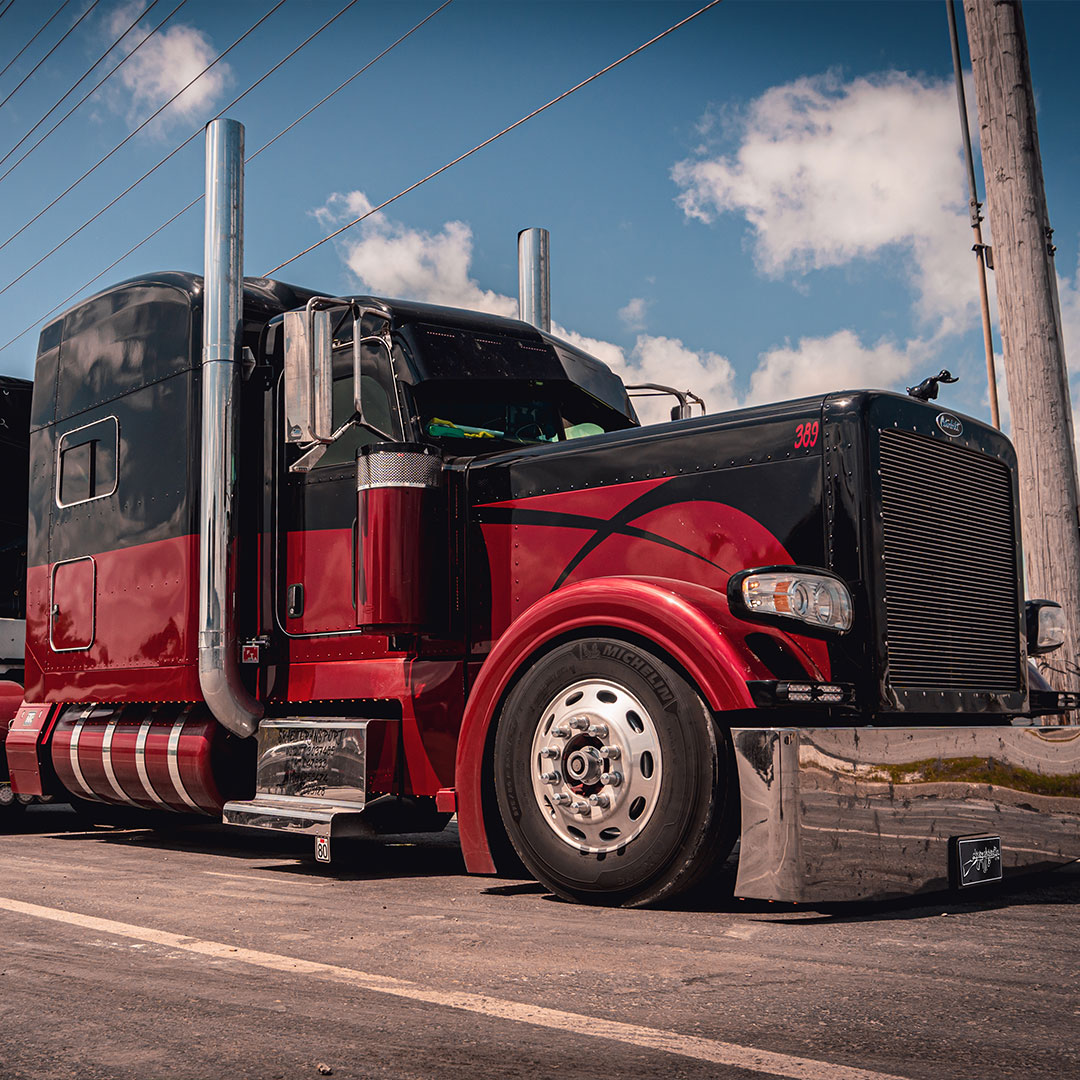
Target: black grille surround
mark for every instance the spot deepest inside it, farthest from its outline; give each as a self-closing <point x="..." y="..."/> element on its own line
<point x="950" y="568"/>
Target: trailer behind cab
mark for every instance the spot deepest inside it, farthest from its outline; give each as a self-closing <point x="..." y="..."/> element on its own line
<point x="342" y="565"/>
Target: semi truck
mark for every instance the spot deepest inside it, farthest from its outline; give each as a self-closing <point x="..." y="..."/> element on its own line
<point x="346" y="565"/>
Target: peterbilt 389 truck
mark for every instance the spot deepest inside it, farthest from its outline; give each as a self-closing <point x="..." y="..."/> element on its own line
<point x="341" y="565"/>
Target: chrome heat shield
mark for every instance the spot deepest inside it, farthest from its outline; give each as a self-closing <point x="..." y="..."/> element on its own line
<point x="834" y="814"/>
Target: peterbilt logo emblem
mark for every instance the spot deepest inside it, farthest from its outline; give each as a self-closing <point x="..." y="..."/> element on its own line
<point x="949" y="424"/>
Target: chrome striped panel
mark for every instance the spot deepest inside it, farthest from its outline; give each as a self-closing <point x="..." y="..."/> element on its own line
<point x="140" y="762"/>
<point x="174" y="763"/>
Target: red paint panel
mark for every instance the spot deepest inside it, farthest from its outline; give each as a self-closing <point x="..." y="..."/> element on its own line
<point x="21" y="748"/>
<point x="145" y="644"/>
<point x="322" y="562"/>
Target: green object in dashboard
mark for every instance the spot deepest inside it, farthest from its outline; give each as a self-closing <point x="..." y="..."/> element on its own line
<point x="437" y="427"/>
<point x="579" y="431"/>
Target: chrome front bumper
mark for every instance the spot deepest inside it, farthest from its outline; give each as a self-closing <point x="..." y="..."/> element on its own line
<point x="832" y="814"/>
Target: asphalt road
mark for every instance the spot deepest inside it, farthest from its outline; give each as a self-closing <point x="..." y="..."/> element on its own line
<point x="211" y="953"/>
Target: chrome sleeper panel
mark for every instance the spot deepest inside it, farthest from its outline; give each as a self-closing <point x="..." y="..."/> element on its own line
<point x="832" y="814"/>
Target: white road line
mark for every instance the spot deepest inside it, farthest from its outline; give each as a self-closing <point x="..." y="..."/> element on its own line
<point x="671" y="1042"/>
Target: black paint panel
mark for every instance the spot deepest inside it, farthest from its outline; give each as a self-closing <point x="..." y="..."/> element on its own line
<point x="14" y="445"/>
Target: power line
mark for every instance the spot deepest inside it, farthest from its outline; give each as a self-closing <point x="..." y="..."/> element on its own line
<point x="5" y="9"/>
<point x="75" y="84"/>
<point x="355" y="75"/>
<point x="35" y="37"/>
<point x="194" y="202"/>
<point x="488" y="142"/>
<point x="127" y="138"/>
<point x="70" y="31"/>
<point x="172" y="153"/>
<point x="90" y="93"/>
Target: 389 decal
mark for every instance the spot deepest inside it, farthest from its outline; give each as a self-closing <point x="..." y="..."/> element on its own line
<point x="806" y="434"/>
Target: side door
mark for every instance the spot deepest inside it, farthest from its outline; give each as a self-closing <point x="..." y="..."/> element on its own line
<point x="315" y="518"/>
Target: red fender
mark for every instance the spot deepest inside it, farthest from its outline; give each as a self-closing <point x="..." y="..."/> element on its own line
<point x="690" y="623"/>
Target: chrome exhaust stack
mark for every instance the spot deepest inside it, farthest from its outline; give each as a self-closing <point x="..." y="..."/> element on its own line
<point x="223" y="295"/>
<point x="534" y="278"/>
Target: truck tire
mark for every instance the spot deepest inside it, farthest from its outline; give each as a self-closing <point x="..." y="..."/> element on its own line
<point x="614" y="783"/>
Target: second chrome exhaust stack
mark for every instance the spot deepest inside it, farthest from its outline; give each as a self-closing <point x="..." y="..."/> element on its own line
<point x="534" y="278"/>
<point x="223" y="297"/>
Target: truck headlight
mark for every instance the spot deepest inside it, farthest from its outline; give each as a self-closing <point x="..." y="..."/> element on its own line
<point x="783" y="595"/>
<point x="1045" y="626"/>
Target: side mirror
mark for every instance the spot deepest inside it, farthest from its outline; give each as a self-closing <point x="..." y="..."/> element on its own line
<point x="373" y="367"/>
<point x="309" y="377"/>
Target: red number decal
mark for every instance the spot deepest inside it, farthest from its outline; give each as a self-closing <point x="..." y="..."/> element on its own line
<point x="806" y="435"/>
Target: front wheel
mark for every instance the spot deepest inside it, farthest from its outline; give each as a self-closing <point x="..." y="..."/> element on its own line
<point x="613" y="781"/>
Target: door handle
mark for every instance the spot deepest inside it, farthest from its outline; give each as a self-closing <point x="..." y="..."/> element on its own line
<point x="295" y="601"/>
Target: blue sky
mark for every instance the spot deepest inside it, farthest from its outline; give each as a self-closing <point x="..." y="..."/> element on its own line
<point x="768" y="202"/>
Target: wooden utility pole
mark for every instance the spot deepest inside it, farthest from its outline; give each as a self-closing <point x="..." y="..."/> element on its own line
<point x="1038" y="383"/>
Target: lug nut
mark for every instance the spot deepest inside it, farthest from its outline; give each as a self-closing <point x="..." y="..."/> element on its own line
<point x="580" y="723"/>
<point x="598" y="730"/>
<point x="560" y="732"/>
<point x="550" y="777"/>
<point x="612" y="779"/>
<point x="579" y="807"/>
<point x="550" y="752"/>
<point x="612" y="752"/>
<point x="600" y="800"/>
<point x="560" y="798"/>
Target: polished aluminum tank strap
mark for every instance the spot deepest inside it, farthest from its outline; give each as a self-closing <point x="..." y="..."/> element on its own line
<point x="174" y="759"/>
<point x="140" y="761"/>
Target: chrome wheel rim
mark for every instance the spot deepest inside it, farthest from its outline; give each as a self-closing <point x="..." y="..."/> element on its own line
<point x="596" y="766"/>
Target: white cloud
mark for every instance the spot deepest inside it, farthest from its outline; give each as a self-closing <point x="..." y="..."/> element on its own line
<point x="827" y="172"/>
<point x="393" y="260"/>
<point x="839" y="361"/>
<point x="633" y="315"/>
<point x="161" y="67"/>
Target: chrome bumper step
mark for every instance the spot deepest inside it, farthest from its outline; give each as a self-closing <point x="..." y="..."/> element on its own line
<point x="310" y="817"/>
<point x="310" y="779"/>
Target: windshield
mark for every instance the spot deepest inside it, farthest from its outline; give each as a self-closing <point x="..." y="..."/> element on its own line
<point x="476" y="415"/>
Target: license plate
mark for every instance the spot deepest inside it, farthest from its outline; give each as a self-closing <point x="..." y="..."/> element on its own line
<point x="977" y="859"/>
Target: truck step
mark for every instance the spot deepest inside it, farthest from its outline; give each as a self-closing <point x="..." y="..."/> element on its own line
<point x="313" y="817"/>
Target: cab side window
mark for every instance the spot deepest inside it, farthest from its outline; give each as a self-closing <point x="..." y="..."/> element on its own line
<point x="86" y="465"/>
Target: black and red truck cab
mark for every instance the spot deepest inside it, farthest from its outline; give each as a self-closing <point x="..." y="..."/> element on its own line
<point x="465" y="579"/>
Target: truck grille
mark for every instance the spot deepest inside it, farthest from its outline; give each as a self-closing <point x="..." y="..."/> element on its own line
<point x="950" y="567"/>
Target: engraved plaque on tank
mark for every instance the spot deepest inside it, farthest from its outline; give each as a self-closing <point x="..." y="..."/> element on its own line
<point x="313" y="759"/>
